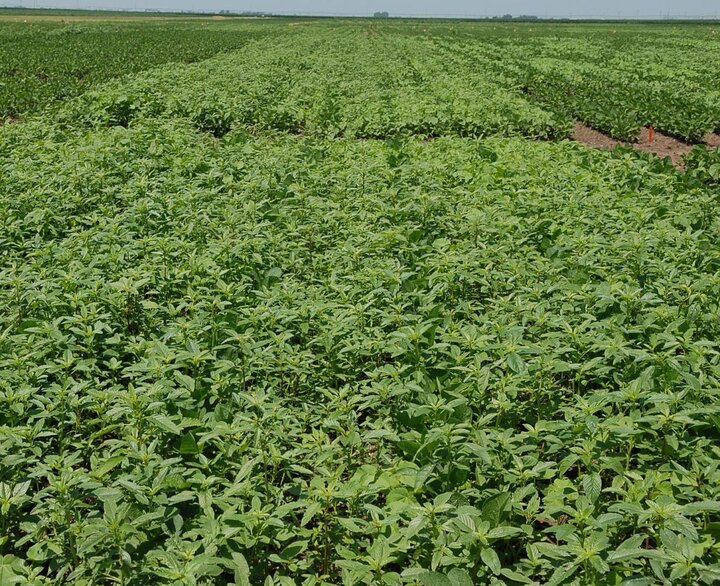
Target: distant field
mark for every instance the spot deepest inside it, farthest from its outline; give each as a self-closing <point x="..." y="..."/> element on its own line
<point x="355" y="303"/>
<point x="424" y="78"/>
<point x="45" y="58"/>
<point x="59" y="14"/>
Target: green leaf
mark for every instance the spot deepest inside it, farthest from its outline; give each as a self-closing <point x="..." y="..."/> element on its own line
<point x="241" y="569"/>
<point x="459" y="577"/>
<point x="494" y="507"/>
<point x="37" y="553"/>
<point x="188" y="445"/>
<point x="678" y="571"/>
<point x="491" y="559"/>
<point x="592" y="485"/>
<point x="185" y="381"/>
<point x="293" y="550"/>
<point x="434" y="579"/>
<point x="503" y="532"/>
<point x="516" y="576"/>
<point x="701" y="507"/>
<point x="562" y="574"/>
<point x="630" y="554"/>
<point x="9" y="565"/>
<point x="566" y="463"/>
<point x="310" y="512"/>
<point x="515" y="362"/>
<point x="107" y="466"/>
<point x="349" y="525"/>
<point x="166" y="424"/>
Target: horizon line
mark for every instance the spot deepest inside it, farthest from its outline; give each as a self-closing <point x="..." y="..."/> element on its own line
<point x="450" y="16"/>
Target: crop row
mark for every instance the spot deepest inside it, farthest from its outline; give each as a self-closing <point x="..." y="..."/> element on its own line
<point x="321" y="82"/>
<point x="44" y="62"/>
<point x="373" y="81"/>
<point x="608" y="87"/>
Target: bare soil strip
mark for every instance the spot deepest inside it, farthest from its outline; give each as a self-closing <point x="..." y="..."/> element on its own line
<point x="592" y="137"/>
<point x="712" y="139"/>
<point x="663" y="146"/>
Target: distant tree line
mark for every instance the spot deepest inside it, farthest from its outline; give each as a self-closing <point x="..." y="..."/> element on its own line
<point x="511" y="17"/>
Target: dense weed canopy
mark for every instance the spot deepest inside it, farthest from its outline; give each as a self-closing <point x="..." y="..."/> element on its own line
<point x="267" y="319"/>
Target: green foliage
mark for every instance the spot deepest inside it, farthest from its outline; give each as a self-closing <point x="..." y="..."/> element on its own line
<point x="617" y="79"/>
<point x="257" y="328"/>
<point x="371" y="79"/>
<point x="324" y="83"/>
<point x="42" y="62"/>
<point x="331" y="361"/>
<point x="704" y="165"/>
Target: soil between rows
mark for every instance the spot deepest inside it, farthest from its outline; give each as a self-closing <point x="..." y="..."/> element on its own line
<point x="662" y="144"/>
<point x="594" y="138"/>
<point x="712" y="139"/>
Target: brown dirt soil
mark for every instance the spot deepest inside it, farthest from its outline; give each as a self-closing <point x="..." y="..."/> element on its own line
<point x="712" y="139"/>
<point x="663" y="146"/>
<point x="592" y="137"/>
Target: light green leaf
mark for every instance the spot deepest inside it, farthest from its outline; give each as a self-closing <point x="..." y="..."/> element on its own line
<point x="494" y="507"/>
<point x="434" y="579"/>
<point x="165" y="423"/>
<point x="515" y="362"/>
<point x="459" y="577"/>
<point x="491" y="559"/>
<point x="562" y="574"/>
<point x="107" y="466"/>
<point x="592" y="485"/>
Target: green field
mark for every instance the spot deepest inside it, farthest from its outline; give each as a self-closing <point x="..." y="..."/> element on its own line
<point x="326" y="301"/>
<point x="44" y="58"/>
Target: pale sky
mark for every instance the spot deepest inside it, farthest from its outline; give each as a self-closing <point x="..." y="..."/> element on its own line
<point x="551" y="8"/>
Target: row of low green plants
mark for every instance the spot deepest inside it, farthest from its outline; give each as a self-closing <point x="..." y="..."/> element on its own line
<point x="342" y="81"/>
<point x="614" y="83"/>
<point x="704" y="165"/>
<point x="620" y="105"/>
<point x="374" y="80"/>
<point x="41" y="62"/>
<point x="299" y="360"/>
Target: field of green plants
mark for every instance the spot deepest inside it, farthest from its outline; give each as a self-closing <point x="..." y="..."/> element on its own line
<point x="345" y="306"/>
<point x="42" y="61"/>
